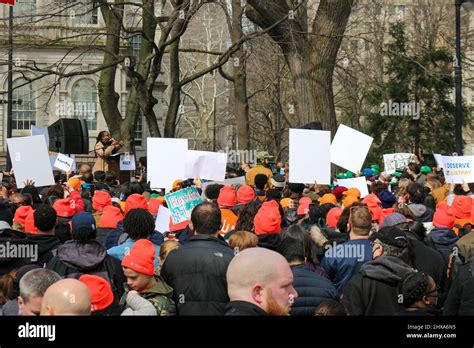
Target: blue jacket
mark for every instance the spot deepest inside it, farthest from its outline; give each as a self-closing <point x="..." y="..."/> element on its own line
<point x="114" y="237"/>
<point x="341" y="263"/>
<point x="443" y="239"/>
<point x="312" y="289"/>
<point x="119" y="251"/>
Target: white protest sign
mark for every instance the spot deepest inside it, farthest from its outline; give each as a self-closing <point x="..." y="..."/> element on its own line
<point x="359" y="183"/>
<point x="458" y="169"/>
<point x="349" y="148"/>
<point x="41" y="131"/>
<point x="394" y="161"/>
<point x="162" y="223"/>
<point x="127" y="161"/>
<point x="206" y="165"/>
<point x="63" y="162"/>
<point x="30" y="160"/>
<point x="309" y="159"/>
<point x="166" y="161"/>
<point x="240" y="180"/>
<point x="439" y="160"/>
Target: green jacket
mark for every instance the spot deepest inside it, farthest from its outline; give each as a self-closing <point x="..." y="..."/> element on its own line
<point x="160" y="295"/>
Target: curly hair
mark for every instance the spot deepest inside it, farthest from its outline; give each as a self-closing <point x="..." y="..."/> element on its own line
<point x="245" y="216"/>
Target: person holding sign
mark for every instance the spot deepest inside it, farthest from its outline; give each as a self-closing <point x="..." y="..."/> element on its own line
<point x="104" y="149"/>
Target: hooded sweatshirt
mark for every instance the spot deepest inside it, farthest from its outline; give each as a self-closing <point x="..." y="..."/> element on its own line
<point x="47" y="245"/>
<point x="421" y="213"/>
<point x="443" y="239"/>
<point x="374" y="290"/>
<point x="75" y="259"/>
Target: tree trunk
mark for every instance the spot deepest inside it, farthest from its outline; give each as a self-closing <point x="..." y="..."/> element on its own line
<point x="241" y="106"/>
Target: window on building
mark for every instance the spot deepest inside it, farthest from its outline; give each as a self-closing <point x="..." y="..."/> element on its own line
<point x="25" y="10"/>
<point x="24" y="114"/>
<point x="138" y="137"/>
<point x="135" y="43"/>
<point x="83" y="12"/>
<point x="84" y="99"/>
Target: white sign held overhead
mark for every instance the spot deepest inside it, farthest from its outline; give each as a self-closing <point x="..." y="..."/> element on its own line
<point x="166" y="159"/>
<point x="63" y="162"/>
<point x="439" y="160"/>
<point x="127" y="161"/>
<point x="162" y="223"/>
<point x="30" y="160"/>
<point x="394" y="161"/>
<point x="359" y="183"/>
<point x="206" y="165"/>
<point x="349" y="148"/>
<point x="41" y="131"/>
<point x="309" y="156"/>
<point x="458" y="169"/>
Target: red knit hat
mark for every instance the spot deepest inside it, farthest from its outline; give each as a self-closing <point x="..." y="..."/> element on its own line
<point x="135" y="201"/>
<point x="30" y="223"/>
<point x="101" y="200"/>
<point x="141" y="257"/>
<point x="101" y="291"/>
<point x="227" y="197"/>
<point x="21" y="213"/>
<point x="267" y="219"/>
<point x="461" y="207"/>
<point x="373" y="202"/>
<point x="338" y="191"/>
<point x="111" y="216"/>
<point x="245" y="194"/>
<point x="443" y="216"/>
<point x="333" y="217"/>
<point x="64" y="207"/>
<point x="385" y="212"/>
<point x="153" y="205"/>
<point x="303" y="205"/>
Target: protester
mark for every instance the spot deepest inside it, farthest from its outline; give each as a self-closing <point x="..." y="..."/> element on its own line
<point x="296" y="248"/>
<point x="267" y="223"/>
<point x="197" y="270"/>
<point x="259" y="283"/>
<point x="84" y="255"/>
<point x="342" y="261"/>
<point x="138" y="267"/>
<point x="33" y="287"/>
<point x="258" y="169"/>
<point x="45" y="219"/>
<point x="102" y="297"/>
<point x="419" y="294"/>
<point x="227" y="200"/>
<point x="374" y="290"/>
<point x="460" y="300"/>
<point x="242" y="240"/>
<point x="330" y="308"/>
<point x="57" y="299"/>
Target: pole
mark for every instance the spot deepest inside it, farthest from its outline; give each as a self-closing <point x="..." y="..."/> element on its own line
<point x="10" y="82"/>
<point x="458" y="82"/>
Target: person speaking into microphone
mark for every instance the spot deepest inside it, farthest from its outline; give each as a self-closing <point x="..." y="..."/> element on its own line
<point x="104" y="148"/>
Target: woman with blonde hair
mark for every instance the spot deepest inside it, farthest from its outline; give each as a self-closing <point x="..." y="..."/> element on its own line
<point x="241" y="240"/>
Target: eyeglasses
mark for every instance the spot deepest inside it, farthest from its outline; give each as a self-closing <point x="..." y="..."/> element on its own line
<point x="436" y="290"/>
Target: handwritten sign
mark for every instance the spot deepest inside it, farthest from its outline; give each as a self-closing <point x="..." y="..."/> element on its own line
<point x="458" y="169"/>
<point x="63" y="162"/>
<point x="181" y="203"/>
<point x="127" y="161"/>
<point x="394" y="161"/>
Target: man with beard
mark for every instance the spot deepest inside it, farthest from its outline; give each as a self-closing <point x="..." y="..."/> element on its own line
<point x="259" y="282"/>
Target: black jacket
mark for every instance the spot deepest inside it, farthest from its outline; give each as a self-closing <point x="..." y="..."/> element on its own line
<point x="9" y="261"/>
<point x="243" y="308"/>
<point x="443" y="239"/>
<point x="74" y="259"/>
<point x="269" y="241"/>
<point x="374" y="290"/>
<point x="47" y="246"/>
<point x="460" y="299"/>
<point x="197" y="273"/>
<point x="312" y="289"/>
<point x="430" y="261"/>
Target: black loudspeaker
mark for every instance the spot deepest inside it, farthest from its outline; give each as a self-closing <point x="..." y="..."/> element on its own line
<point x="313" y="126"/>
<point x="69" y="136"/>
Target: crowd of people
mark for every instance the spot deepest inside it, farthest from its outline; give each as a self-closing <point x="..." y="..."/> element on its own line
<point x="266" y="247"/>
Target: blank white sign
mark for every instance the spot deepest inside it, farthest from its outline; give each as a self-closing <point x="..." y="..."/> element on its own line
<point x="349" y="148"/>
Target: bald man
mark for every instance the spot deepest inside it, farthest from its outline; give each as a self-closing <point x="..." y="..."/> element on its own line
<point x="67" y="297"/>
<point x="259" y="282"/>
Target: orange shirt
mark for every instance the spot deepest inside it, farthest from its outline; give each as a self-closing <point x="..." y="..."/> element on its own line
<point x="229" y="221"/>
